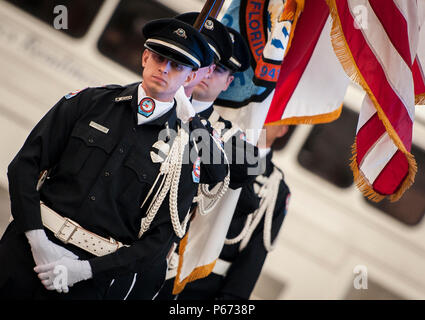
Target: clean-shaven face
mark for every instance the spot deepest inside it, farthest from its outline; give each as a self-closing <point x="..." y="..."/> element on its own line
<point x="201" y="74"/>
<point x="162" y="77"/>
<point x="212" y="85"/>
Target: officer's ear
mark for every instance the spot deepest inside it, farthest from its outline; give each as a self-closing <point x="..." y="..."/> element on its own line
<point x="191" y="76"/>
<point x="229" y="80"/>
<point x="145" y="57"/>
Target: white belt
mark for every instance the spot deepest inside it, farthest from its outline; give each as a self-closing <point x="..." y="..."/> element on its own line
<point x="69" y="231"/>
<point x="221" y="267"/>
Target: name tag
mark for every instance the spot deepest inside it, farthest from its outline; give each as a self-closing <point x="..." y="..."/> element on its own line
<point x="98" y="127"/>
<point x="126" y="98"/>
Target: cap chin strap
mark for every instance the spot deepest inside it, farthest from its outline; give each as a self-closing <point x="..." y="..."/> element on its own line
<point x="235" y="62"/>
<point x="268" y="193"/>
<point x="214" y="50"/>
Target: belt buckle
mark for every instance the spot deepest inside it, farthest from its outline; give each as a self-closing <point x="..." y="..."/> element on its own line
<point x="67" y="222"/>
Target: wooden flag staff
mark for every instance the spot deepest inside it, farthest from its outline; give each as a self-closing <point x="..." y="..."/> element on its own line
<point x="211" y="9"/>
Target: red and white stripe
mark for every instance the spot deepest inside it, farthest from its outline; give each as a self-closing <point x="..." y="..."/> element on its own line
<point x="384" y="51"/>
<point x="303" y="91"/>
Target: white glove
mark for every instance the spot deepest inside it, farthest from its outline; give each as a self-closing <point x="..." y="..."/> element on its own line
<point x="61" y="274"/>
<point x="184" y="108"/>
<point x="45" y="251"/>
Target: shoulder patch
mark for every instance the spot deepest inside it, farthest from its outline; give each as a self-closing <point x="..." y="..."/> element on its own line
<point x="73" y="93"/>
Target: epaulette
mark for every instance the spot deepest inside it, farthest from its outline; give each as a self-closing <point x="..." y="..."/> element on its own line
<point x="112" y="86"/>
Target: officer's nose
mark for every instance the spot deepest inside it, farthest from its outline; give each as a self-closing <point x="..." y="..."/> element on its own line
<point x="211" y="69"/>
<point x="165" y="66"/>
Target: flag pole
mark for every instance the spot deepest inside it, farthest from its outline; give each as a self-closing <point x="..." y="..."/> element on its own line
<point x="211" y="9"/>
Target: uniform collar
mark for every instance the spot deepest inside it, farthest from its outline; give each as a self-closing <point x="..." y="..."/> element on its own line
<point x="201" y="106"/>
<point x="207" y="112"/>
<point x="263" y="152"/>
<point x="132" y="91"/>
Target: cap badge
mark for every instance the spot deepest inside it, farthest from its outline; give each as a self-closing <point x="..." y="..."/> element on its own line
<point x="181" y="33"/>
<point x="209" y="25"/>
<point x="146" y="107"/>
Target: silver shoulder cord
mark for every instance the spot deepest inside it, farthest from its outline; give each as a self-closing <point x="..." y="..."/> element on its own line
<point x="268" y="194"/>
<point x="170" y="169"/>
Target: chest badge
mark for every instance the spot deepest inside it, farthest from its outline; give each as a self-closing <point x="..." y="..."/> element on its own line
<point x="242" y="136"/>
<point x="146" y="107"/>
<point x="217" y="137"/>
<point x="196" y="171"/>
<point x="160" y="151"/>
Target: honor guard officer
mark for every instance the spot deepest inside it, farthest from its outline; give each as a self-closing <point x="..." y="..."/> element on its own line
<point x="215" y="33"/>
<point x="250" y="236"/>
<point x="204" y="96"/>
<point x="230" y="55"/>
<point x="237" y="149"/>
<point x="116" y="193"/>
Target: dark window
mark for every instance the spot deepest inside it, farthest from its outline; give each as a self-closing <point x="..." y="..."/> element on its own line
<point x="80" y="13"/>
<point x="122" y="39"/>
<point x="327" y="150"/>
<point x="411" y="207"/>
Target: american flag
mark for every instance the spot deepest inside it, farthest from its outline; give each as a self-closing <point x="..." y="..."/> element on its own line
<point x="377" y="43"/>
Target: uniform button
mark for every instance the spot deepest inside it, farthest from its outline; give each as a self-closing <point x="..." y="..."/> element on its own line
<point x="144" y="176"/>
<point x="92" y="198"/>
<point x="134" y="129"/>
<point x="107" y="173"/>
<point x="91" y="140"/>
<point x="121" y="150"/>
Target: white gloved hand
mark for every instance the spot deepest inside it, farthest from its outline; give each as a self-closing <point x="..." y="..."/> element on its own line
<point x="184" y="108"/>
<point x="45" y="251"/>
<point x="64" y="273"/>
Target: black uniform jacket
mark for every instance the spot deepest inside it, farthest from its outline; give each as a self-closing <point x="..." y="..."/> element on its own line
<point x="243" y="156"/>
<point x="246" y="265"/>
<point x="99" y="179"/>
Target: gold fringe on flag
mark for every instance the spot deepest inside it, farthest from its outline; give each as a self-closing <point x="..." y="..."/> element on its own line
<point x="197" y="273"/>
<point x="420" y="99"/>
<point x="317" y="119"/>
<point x="343" y="52"/>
